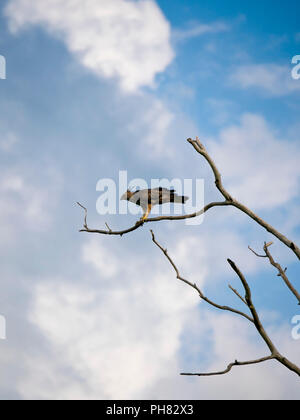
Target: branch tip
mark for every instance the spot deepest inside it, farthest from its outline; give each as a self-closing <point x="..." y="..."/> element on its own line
<point x="267" y="245"/>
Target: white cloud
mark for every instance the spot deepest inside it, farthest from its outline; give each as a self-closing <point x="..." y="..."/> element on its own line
<point x="116" y="340"/>
<point x="123" y="338"/>
<point x="258" y="168"/>
<point x="157" y="131"/>
<point x="19" y="198"/>
<point x="25" y="204"/>
<point x="129" y="40"/>
<point x="222" y="110"/>
<point x="129" y="337"/>
<point x="7" y="141"/>
<point x="154" y="125"/>
<point x="96" y="254"/>
<point x="159" y="118"/>
<point x="210" y="251"/>
<point x="232" y="339"/>
<point x="124" y="344"/>
<point x="273" y="79"/>
<point x="198" y="29"/>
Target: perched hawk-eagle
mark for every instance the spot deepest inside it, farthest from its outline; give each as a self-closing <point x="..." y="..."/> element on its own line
<point x="151" y="197"/>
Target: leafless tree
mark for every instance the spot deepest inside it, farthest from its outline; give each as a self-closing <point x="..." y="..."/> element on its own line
<point x="247" y="300"/>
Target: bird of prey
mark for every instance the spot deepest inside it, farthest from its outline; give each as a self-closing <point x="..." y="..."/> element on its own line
<point x="151" y="197"/>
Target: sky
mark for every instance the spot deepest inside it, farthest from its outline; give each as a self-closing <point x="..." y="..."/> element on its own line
<point x="100" y="86"/>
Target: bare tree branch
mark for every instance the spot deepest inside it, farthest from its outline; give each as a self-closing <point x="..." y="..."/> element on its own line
<point x="255" y="253"/>
<point x="281" y="272"/>
<point x="230" y="366"/>
<point x="255" y="317"/>
<point x="85" y="215"/>
<point x="194" y="286"/>
<point x="108" y="231"/>
<point x="262" y="332"/>
<point x="198" y="146"/>
<point x="248" y="297"/>
<point x="238" y="295"/>
<point x="140" y="223"/>
<point x="191" y="215"/>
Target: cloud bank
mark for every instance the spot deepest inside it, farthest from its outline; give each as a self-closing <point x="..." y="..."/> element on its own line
<point x="259" y="168"/>
<point x="273" y="79"/>
<point x="127" y="40"/>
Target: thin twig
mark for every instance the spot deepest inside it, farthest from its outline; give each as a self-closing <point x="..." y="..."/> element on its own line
<point x="230" y="366"/>
<point x="238" y="295"/>
<point x="281" y="272"/>
<point x="255" y="253"/>
<point x="138" y="224"/>
<point x="85" y="216"/>
<point x="109" y="229"/>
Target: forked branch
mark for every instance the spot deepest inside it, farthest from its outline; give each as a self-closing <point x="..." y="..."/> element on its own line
<point x="108" y="231"/>
<point x="281" y="271"/>
<point x="274" y="353"/>
<point x="199" y="147"/>
<point x="140" y="223"/>
<point x="194" y="286"/>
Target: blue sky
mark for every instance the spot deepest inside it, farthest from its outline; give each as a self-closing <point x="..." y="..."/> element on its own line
<point x="96" y="87"/>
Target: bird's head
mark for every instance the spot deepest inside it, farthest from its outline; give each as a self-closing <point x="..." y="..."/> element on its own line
<point x="127" y="195"/>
